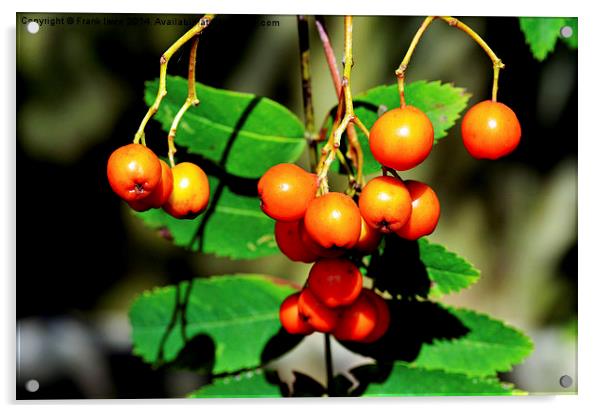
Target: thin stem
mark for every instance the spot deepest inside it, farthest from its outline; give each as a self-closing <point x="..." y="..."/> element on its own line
<point x="329" y="53"/>
<point x="329" y="369"/>
<point x="354" y="152"/>
<point x="162" y="92"/>
<point x="497" y="62"/>
<point x="308" y="107"/>
<point x="400" y="72"/>
<point x="453" y="22"/>
<point x="341" y="121"/>
<point x="191" y="99"/>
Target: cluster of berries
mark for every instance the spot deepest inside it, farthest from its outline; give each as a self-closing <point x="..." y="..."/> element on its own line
<point x="144" y="181"/>
<point x="321" y="229"/>
<point x="333" y="301"/>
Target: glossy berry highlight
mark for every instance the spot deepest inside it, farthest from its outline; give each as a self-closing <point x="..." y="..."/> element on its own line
<point x="402" y="138"/>
<point x="285" y="191"/>
<point x="134" y="171"/>
<point x="385" y="204"/>
<point x="333" y="221"/>
<point x="490" y="130"/>
<point x="190" y="194"/>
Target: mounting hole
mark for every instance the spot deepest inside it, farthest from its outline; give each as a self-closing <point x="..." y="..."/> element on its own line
<point x="33" y="27"/>
<point x="32" y="386"/>
<point x="566" y="32"/>
<point x="566" y="381"/>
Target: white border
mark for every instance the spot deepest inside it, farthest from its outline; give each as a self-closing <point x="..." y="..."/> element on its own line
<point x="590" y="137"/>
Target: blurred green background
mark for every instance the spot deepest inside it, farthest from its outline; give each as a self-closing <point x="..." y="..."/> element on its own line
<point x="84" y="256"/>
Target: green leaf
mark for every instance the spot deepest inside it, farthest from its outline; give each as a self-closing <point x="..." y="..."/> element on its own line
<point x="241" y="132"/>
<point x="250" y="384"/>
<point x="238" y="312"/>
<point x="572" y="40"/>
<point x="442" y="103"/>
<point x="490" y="347"/>
<point x="448" y="271"/>
<point x="407" y="380"/>
<point x="235" y="227"/>
<point x="541" y="33"/>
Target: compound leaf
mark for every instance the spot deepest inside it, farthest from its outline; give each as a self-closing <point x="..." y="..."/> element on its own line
<point x="541" y="33"/>
<point x="243" y="133"/>
<point x="405" y="380"/>
<point x="489" y="347"/>
<point x="246" y="385"/>
<point x="447" y="271"/>
<point x="238" y="312"/>
<point x="233" y="226"/>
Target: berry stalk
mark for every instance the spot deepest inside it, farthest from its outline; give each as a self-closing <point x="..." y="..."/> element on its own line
<point x="453" y="22"/>
<point x="191" y="99"/>
<point x="344" y="118"/>
<point x="162" y="92"/>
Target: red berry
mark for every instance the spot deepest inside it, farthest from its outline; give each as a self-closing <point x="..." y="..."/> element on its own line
<point x="190" y="194"/>
<point x="290" y="318"/>
<point x="490" y="130"/>
<point x="357" y="321"/>
<point x="161" y="193"/>
<point x="335" y="281"/>
<point x="316" y="248"/>
<point x="383" y="316"/>
<point x="333" y="220"/>
<point x="385" y="204"/>
<point x="288" y="238"/>
<point x="369" y="238"/>
<point x="317" y="314"/>
<point x="402" y="138"/>
<point x="425" y="211"/>
<point x="285" y="191"/>
<point x="134" y="171"/>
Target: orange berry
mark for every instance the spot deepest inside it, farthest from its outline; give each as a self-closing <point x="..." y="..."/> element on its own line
<point x="190" y="194"/>
<point x="134" y="171"/>
<point x="335" y="281"/>
<point x="402" y="138"/>
<point x="333" y="220"/>
<point x="357" y="320"/>
<point x="288" y="238"/>
<point x="160" y="194"/>
<point x="369" y="238"/>
<point x="317" y="314"/>
<point x="490" y="130"/>
<point x="385" y="204"/>
<point x="285" y="191"/>
<point x="383" y="316"/>
<point x="290" y="318"/>
<point x="425" y="211"/>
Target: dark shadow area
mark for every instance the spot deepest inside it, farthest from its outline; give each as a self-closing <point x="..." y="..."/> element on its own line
<point x="365" y="375"/>
<point x="398" y="270"/>
<point x="305" y="386"/>
<point x="198" y="355"/>
<point x="221" y="165"/>
<point x="280" y="344"/>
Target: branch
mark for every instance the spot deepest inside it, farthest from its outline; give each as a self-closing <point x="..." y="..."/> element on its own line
<point x="310" y="134"/>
